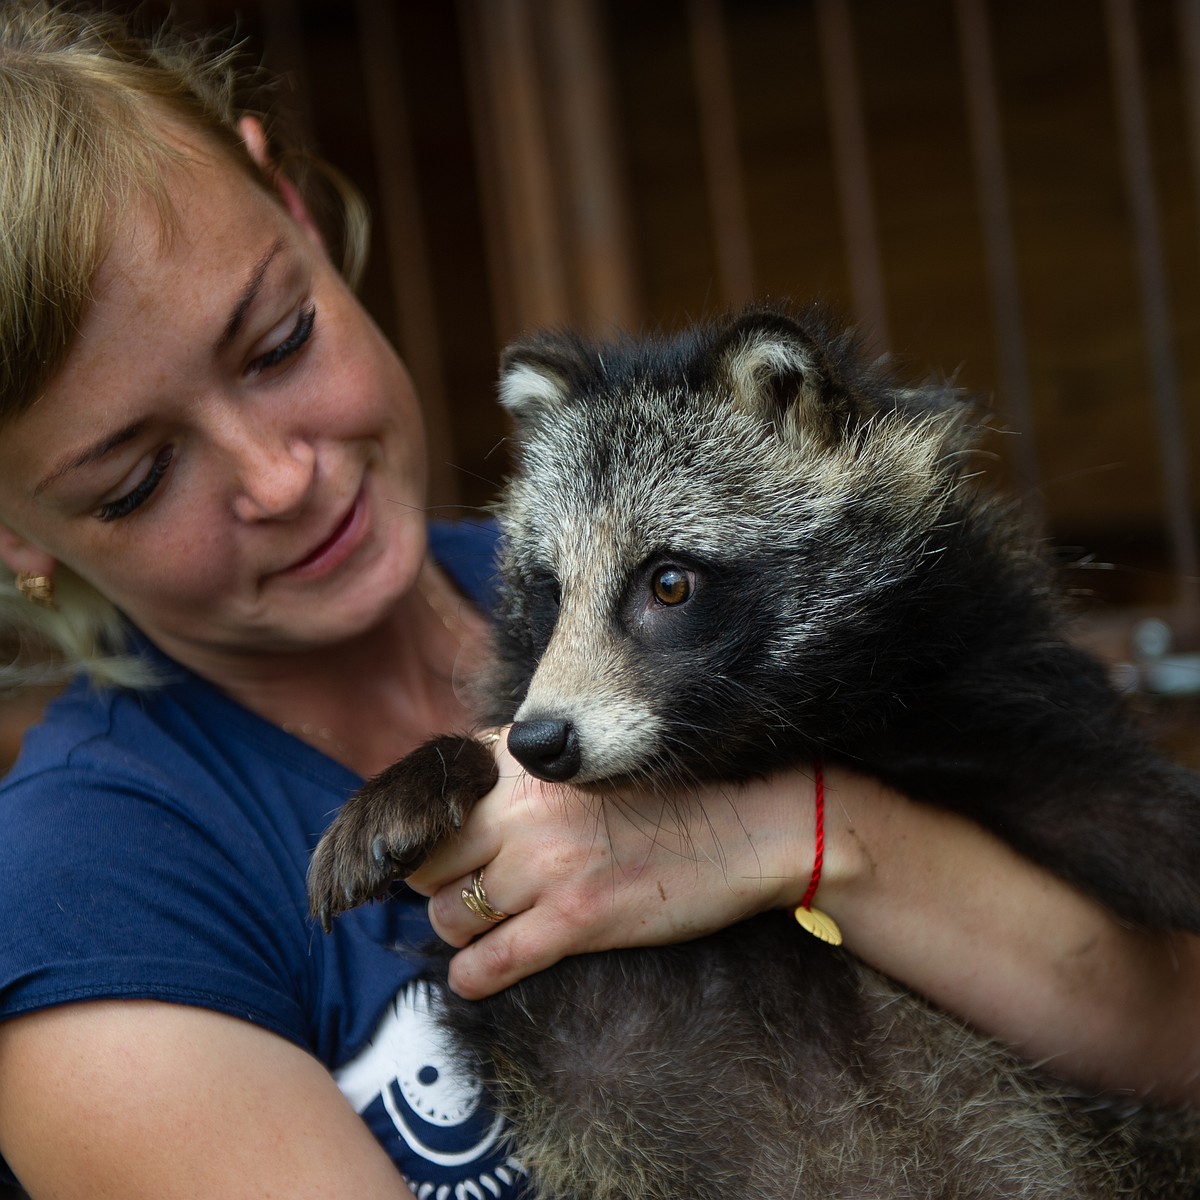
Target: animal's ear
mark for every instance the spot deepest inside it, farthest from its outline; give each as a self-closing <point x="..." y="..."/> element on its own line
<point x="788" y="373"/>
<point x="538" y="375"/>
<point x="765" y="360"/>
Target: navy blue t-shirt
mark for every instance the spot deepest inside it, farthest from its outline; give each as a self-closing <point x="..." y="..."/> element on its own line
<point x="153" y="845"/>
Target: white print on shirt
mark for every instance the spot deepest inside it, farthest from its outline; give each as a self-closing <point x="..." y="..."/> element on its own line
<point x="410" y="1066"/>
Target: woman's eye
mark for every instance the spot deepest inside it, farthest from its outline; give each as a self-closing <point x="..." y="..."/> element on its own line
<point x="671" y="585"/>
<point x="294" y="342"/>
<point x="114" y="510"/>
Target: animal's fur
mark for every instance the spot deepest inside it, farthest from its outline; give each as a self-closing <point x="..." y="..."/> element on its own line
<point x="853" y="595"/>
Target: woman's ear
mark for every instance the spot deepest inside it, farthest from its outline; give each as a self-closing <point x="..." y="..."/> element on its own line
<point x="19" y="555"/>
<point x="254" y="138"/>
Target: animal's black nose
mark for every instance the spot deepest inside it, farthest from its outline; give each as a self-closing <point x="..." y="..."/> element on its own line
<point x="548" y="749"/>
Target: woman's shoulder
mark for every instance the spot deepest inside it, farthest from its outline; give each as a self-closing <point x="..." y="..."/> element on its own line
<point x="182" y="737"/>
<point x="178" y="774"/>
<point x="145" y="853"/>
<point x="154" y="845"/>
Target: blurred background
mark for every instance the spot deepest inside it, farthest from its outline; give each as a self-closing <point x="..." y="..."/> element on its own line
<point x="1006" y="193"/>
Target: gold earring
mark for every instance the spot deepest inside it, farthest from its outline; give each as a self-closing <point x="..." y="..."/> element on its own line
<point x="37" y="588"/>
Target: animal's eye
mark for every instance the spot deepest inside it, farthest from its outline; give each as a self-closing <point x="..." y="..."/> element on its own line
<point x="671" y="585"/>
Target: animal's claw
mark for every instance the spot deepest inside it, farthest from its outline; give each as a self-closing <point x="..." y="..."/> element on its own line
<point x="388" y="828"/>
<point x="353" y="864"/>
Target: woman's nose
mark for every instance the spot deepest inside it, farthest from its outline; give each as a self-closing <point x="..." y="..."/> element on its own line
<point x="275" y="477"/>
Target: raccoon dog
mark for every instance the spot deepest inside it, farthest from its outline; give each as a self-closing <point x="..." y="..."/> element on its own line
<point x="726" y="553"/>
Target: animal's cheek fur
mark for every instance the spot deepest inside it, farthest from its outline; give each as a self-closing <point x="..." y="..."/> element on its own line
<point x="595" y="685"/>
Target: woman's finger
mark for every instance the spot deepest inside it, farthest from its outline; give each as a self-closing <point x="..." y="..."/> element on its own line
<point x="467" y="908"/>
<point x="522" y="945"/>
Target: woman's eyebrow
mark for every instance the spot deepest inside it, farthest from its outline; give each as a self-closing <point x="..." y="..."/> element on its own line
<point x="93" y="453"/>
<point x="248" y="295"/>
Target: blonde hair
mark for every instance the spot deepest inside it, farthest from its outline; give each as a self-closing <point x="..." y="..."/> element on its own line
<point x="83" y="97"/>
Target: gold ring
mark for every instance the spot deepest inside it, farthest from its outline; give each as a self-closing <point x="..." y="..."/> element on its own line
<point x="475" y="898"/>
<point x="489" y="737"/>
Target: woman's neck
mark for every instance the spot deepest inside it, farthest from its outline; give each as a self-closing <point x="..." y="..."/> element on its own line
<point x="369" y="701"/>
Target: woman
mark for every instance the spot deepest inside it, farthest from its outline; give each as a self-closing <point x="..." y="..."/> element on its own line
<point x="203" y="432"/>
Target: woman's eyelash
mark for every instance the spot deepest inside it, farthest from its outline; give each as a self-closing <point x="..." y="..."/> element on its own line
<point x="140" y="492"/>
<point x="300" y="334"/>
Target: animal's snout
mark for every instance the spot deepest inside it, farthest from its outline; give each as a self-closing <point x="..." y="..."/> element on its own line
<point x="548" y="749"/>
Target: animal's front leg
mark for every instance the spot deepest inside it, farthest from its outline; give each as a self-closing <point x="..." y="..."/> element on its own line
<point x="386" y="829"/>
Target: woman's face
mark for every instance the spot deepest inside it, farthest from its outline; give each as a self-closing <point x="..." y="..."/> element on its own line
<point x="232" y="452"/>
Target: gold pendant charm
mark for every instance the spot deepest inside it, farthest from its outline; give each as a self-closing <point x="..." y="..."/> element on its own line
<point x="820" y="925"/>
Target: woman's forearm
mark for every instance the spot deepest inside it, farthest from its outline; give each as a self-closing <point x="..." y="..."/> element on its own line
<point x="953" y="913"/>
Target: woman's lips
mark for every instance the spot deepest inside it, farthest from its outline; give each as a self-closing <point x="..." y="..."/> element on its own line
<point x="337" y="547"/>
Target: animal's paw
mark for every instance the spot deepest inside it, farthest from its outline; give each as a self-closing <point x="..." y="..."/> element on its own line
<point x="386" y="829"/>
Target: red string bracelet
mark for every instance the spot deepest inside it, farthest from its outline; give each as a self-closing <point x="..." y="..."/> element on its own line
<point x="819" y="854"/>
<point x="819" y="924"/>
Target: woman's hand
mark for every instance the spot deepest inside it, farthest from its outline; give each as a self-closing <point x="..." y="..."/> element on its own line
<point x="581" y="871"/>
